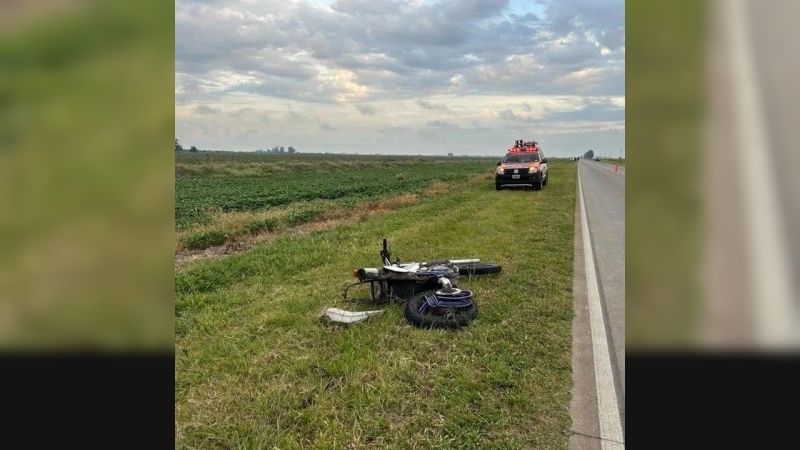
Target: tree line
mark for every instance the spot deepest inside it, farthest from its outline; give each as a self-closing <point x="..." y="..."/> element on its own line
<point x="179" y="147"/>
<point x="277" y="149"/>
<point x="290" y="150"/>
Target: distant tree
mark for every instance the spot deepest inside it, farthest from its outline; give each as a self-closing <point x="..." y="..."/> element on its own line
<point x="589" y="154"/>
<point x="291" y="150"/>
<point x="178" y="146"/>
<point x="275" y="149"/>
<point x="283" y="150"/>
<point x="193" y="149"/>
<point x="450" y="154"/>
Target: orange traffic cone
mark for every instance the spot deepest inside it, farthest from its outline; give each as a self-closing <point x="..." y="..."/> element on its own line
<point x="616" y="167"/>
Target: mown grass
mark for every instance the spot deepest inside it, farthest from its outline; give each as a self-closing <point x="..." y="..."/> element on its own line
<point x="256" y="369"/>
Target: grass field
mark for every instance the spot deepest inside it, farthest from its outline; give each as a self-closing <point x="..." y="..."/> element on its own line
<point x="255" y="368"/>
<point x="86" y="108"/>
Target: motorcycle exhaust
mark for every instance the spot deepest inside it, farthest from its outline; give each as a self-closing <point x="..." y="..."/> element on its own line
<point x="366" y="273"/>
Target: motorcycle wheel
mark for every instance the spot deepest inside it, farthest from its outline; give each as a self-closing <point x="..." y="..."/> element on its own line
<point x="437" y="317"/>
<point x="478" y="268"/>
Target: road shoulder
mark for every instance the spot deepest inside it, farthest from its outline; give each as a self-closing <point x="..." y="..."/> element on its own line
<point x="585" y="430"/>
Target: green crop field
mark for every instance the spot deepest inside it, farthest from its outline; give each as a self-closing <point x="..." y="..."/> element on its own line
<point x="243" y="183"/>
<point x="223" y="197"/>
<point x="256" y="368"/>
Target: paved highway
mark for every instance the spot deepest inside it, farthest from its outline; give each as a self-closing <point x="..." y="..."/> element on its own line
<point x="754" y="250"/>
<point x="598" y="404"/>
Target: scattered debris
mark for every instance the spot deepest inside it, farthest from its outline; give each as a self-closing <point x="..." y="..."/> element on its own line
<point x="348" y="317"/>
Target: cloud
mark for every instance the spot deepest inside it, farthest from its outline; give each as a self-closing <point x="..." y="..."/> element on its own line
<point x="366" y="110"/>
<point x="443" y="124"/>
<point x="603" y="110"/>
<point x="602" y="20"/>
<point x="424" y="104"/>
<point x="205" y="109"/>
<point x="394" y="130"/>
<point x="509" y="115"/>
<point x="251" y="116"/>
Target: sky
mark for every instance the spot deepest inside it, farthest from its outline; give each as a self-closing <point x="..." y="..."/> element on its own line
<point x="413" y="77"/>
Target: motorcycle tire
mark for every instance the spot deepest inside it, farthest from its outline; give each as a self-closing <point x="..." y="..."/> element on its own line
<point x="478" y="268"/>
<point x="436" y="317"/>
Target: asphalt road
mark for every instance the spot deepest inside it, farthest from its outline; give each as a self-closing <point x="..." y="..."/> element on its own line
<point x="598" y="405"/>
<point x="775" y="59"/>
<point x="604" y="194"/>
<point x="754" y="253"/>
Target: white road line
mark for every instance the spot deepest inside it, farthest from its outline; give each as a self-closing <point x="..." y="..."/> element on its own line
<point x="607" y="407"/>
<point x="771" y="295"/>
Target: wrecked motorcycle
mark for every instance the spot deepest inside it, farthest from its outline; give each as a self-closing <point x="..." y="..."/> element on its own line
<point x="427" y="289"/>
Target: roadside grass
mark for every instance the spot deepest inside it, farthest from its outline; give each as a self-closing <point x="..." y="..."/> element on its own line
<point x="666" y="114"/>
<point x="618" y="161"/>
<point x="256" y="369"/>
<point x="224" y="227"/>
<point x="86" y="107"/>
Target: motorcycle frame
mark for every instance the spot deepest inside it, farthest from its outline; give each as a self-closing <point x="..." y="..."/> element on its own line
<point x="389" y="285"/>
